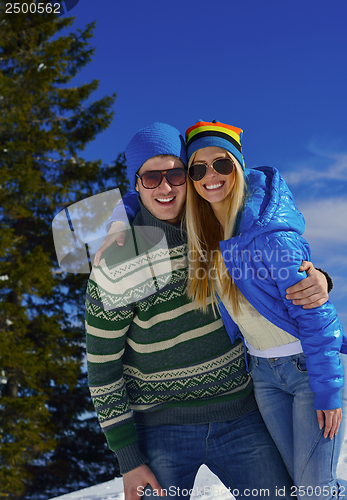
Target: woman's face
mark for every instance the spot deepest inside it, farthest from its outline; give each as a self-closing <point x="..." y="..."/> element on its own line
<point x="213" y="187"/>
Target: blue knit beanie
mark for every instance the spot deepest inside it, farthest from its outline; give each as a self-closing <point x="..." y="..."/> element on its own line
<point x="157" y="139"/>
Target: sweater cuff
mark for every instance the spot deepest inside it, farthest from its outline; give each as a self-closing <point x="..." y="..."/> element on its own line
<point x="330" y="284"/>
<point x="130" y="457"/>
<point x="327" y="400"/>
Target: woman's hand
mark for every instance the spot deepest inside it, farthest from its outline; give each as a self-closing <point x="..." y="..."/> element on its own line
<point x="331" y="419"/>
<point x="116" y="234"/>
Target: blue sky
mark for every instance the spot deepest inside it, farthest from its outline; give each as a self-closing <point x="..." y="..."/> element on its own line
<point x="276" y="68"/>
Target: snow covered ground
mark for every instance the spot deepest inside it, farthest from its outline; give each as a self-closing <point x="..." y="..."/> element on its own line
<point x="206" y="487"/>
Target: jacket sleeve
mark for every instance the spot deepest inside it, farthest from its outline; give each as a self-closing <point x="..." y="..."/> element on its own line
<point x="106" y="329"/>
<point x="320" y="330"/>
<point x="126" y="209"/>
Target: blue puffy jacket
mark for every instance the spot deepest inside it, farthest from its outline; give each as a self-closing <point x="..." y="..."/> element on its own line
<point x="263" y="259"/>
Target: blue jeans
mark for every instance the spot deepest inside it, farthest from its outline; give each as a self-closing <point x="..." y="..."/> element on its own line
<point x="240" y="452"/>
<point x="286" y="401"/>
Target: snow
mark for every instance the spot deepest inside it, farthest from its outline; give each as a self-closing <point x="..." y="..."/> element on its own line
<point x="206" y="486"/>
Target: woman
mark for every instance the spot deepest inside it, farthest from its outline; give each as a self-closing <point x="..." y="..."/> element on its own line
<point x="254" y="213"/>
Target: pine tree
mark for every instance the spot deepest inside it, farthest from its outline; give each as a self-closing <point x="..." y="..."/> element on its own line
<point x="50" y="441"/>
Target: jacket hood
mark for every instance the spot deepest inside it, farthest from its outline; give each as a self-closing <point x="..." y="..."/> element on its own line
<point x="269" y="205"/>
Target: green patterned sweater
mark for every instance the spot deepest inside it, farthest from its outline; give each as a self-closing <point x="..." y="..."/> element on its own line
<point x="152" y="357"/>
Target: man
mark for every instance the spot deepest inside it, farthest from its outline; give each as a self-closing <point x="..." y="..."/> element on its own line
<point x="170" y="390"/>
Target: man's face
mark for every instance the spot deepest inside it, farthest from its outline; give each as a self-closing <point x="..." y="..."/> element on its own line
<point x="165" y="202"/>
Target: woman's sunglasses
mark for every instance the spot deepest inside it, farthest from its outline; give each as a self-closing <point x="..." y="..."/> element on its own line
<point x="153" y="178"/>
<point x="223" y="166"/>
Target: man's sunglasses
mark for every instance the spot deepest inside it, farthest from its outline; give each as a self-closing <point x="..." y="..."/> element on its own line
<point x="153" y="178"/>
<point x="223" y="166"/>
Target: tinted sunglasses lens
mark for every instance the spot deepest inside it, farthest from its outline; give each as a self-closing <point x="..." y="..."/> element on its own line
<point x="197" y="171"/>
<point x="151" y="179"/>
<point x="223" y="166"/>
<point x="176" y="176"/>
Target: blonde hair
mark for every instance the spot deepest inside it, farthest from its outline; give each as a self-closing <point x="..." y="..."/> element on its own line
<point x="204" y="233"/>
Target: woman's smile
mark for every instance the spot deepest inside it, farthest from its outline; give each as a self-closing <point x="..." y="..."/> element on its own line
<point x="217" y="185"/>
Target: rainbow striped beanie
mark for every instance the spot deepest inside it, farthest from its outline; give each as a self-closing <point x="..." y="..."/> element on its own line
<point x="154" y="140"/>
<point x="207" y="134"/>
